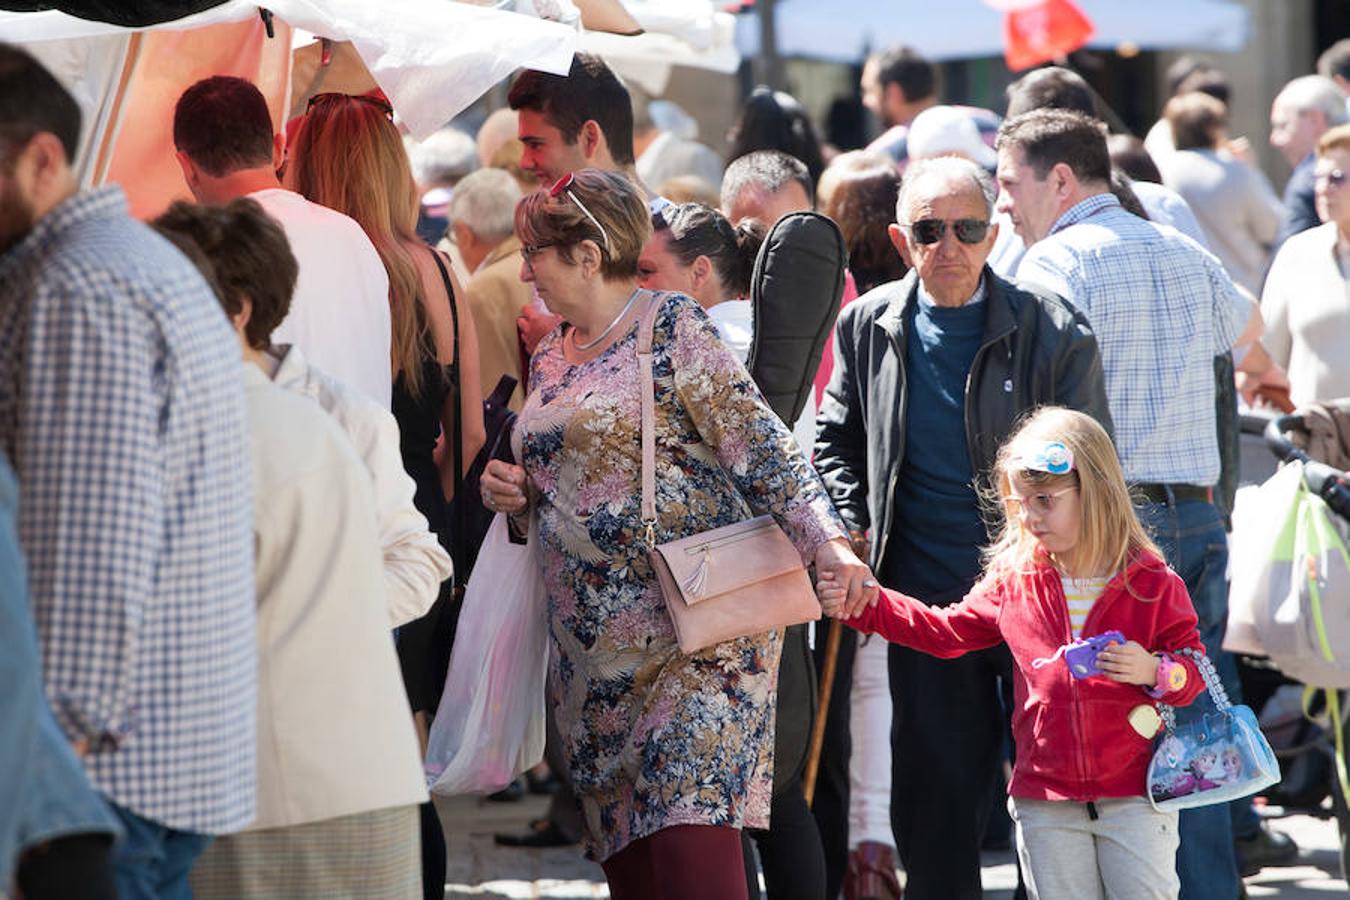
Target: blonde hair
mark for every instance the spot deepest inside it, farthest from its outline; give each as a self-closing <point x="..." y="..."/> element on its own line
<point x="617" y="205"/>
<point x="349" y="157"/>
<point x="1110" y="535"/>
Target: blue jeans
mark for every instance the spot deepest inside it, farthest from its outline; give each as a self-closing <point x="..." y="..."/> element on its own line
<point x="152" y="861"/>
<point x="1192" y="538"/>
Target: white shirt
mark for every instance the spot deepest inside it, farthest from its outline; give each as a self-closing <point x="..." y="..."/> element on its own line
<point x="1306" y="304"/>
<point x="335" y="733"/>
<point x="735" y="323"/>
<point x="415" y="564"/>
<point x="340" y="310"/>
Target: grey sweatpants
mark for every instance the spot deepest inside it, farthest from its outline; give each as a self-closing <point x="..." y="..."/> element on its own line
<point x="1127" y="853"/>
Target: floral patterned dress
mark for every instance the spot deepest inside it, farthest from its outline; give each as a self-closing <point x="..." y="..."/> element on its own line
<point x="654" y="737"/>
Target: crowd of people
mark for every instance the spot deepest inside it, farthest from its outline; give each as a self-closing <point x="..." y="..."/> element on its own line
<point x="249" y="448"/>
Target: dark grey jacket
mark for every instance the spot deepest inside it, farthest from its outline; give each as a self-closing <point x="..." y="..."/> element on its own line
<point x="1037" y="350"/>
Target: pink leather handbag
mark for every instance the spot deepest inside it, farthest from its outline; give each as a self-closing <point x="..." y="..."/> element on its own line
<point x="740" y="579"/>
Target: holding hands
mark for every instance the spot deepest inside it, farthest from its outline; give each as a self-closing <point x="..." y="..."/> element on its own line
<point x="844" y="584"/>
<point x="1128" y="663"/>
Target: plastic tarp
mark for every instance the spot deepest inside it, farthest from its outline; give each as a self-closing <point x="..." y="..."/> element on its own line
<point x="691" y="33"/>
<point x="431" y="57"/>
<point x="847" y="30"/>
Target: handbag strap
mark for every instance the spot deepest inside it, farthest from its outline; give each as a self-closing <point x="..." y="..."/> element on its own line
<point x="1212" y="681"/>
<point x="648" y="388"/>
<point x="456" y="448"/>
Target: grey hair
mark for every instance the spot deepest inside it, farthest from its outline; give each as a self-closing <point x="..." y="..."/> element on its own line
<point x="444" y="157"/>
<point x="768" y="170"/>
<point x="1315" y="93"/>
<point x="949" y="170"/>
<point x="485" y="201"/>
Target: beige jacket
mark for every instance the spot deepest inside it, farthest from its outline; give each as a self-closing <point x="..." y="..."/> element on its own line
<point x="496" y="295"/>
<point x="414" y="562"/>
<point x="335" y="734"/>
<point x="1306" y="305"/>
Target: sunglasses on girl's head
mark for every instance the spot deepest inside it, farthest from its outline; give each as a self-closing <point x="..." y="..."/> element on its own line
<point x="330" y="96"/>
<point x="564" y="186"/>
<point x="930" y="231"/>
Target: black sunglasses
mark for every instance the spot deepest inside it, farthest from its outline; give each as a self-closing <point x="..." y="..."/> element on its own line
<point x="930" y="231"/>
<point x="1335" y="178"/>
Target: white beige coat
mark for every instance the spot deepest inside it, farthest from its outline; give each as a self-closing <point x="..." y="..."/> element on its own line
<point x="415" y="564"/>
<point x="335" y="734"/>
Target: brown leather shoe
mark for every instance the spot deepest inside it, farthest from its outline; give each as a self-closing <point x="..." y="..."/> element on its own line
<point x="871" y="873"/>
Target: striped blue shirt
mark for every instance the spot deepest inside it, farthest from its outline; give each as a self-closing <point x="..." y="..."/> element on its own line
<point x="121" y="407"/>
<point x="1162" y="308"/>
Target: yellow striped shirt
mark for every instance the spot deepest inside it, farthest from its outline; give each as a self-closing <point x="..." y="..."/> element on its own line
<point x="1080" y="594"/>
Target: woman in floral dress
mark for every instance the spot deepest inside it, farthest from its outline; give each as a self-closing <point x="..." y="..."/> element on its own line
<point x="671" y="754"/>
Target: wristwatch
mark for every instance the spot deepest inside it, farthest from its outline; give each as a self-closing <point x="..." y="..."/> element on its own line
<point x="1171" y="677"/>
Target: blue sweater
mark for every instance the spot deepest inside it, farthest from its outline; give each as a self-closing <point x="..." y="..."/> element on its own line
<point x="935" y="546"/>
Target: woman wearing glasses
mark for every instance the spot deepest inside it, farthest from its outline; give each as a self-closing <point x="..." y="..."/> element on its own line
<point x="348" y="156"/>
<point x="671" y="754"/>
<point x="1306" y="301"/>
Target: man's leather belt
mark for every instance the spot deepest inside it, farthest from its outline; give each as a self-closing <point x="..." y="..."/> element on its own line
<point x="1170" y="493"/>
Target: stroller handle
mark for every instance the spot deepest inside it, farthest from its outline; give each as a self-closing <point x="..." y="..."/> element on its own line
<point x="1328" y="483"/>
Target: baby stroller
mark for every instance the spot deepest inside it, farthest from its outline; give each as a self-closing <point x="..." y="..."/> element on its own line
<point x="1289" y="617"/>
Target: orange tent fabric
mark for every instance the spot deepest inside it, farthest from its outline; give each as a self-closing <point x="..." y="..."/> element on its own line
<point x="138" y="152"/>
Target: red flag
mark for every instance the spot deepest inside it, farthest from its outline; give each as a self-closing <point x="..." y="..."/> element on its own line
<point x="1042" y="30"/>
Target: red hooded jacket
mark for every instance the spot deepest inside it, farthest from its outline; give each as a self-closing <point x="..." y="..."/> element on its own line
<point x="1074" y="741"/>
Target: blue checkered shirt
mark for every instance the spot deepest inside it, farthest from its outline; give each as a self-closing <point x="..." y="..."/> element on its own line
<point x="1162" y="308"/>
<point x="121" y="406"/>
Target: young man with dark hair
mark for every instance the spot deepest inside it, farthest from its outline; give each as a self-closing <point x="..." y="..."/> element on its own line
<point x="1052" y="87"/>
<point x="583" y="119"/>
<point x="227" y="148"/>
<point x="1162" y="309"/>
<point x="898" y="84"/>
<point x="125" y="420"/>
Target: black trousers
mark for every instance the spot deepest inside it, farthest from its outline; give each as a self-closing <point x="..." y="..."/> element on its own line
<point x="75" y="867"/>
<point x="789" y="852"/>
<point x="946" y="739"/>
<point x="830" y="804"/>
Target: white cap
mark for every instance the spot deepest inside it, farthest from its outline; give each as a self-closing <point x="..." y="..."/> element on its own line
<point x="945" y="130"/>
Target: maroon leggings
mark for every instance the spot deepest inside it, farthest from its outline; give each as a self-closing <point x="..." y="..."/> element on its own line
<point x="682" y="862"/>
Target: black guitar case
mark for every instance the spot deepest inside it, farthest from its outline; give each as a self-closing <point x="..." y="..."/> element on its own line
<point x="795" y="292"/>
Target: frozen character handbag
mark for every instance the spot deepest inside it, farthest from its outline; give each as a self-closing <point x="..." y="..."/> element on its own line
<point x="1217" y="757"/>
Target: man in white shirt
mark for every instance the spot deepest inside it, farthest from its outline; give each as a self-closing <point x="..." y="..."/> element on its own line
<point x="340" y="312"/>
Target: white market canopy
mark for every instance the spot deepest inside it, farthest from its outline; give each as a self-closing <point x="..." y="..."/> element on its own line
<point x="692" y="33"/>
<point x="431" y="57"/>
<point x="847" y="30"/>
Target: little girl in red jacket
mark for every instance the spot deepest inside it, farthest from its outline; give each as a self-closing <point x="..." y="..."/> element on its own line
<point x="1072" y="561"/>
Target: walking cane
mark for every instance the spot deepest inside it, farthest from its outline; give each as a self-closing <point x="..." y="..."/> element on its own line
<point x="836" y="630"/>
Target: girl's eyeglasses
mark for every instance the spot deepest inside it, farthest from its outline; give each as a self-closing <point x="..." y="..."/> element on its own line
<point x="332" y="96"/>
<point x="1040" y="504"/>
<point x="564" y="186"/>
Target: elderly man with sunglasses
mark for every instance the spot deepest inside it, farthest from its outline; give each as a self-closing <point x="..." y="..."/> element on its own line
<point x="931" y="374"/>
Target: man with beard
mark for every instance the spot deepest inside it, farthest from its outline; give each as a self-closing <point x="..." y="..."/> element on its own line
<point x="121" y="406"/>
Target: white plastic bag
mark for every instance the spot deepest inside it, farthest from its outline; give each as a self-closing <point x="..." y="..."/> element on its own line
<point x="489" y="726"/>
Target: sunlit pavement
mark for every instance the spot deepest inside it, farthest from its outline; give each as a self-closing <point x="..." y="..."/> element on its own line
<point x="479" y="868"/>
